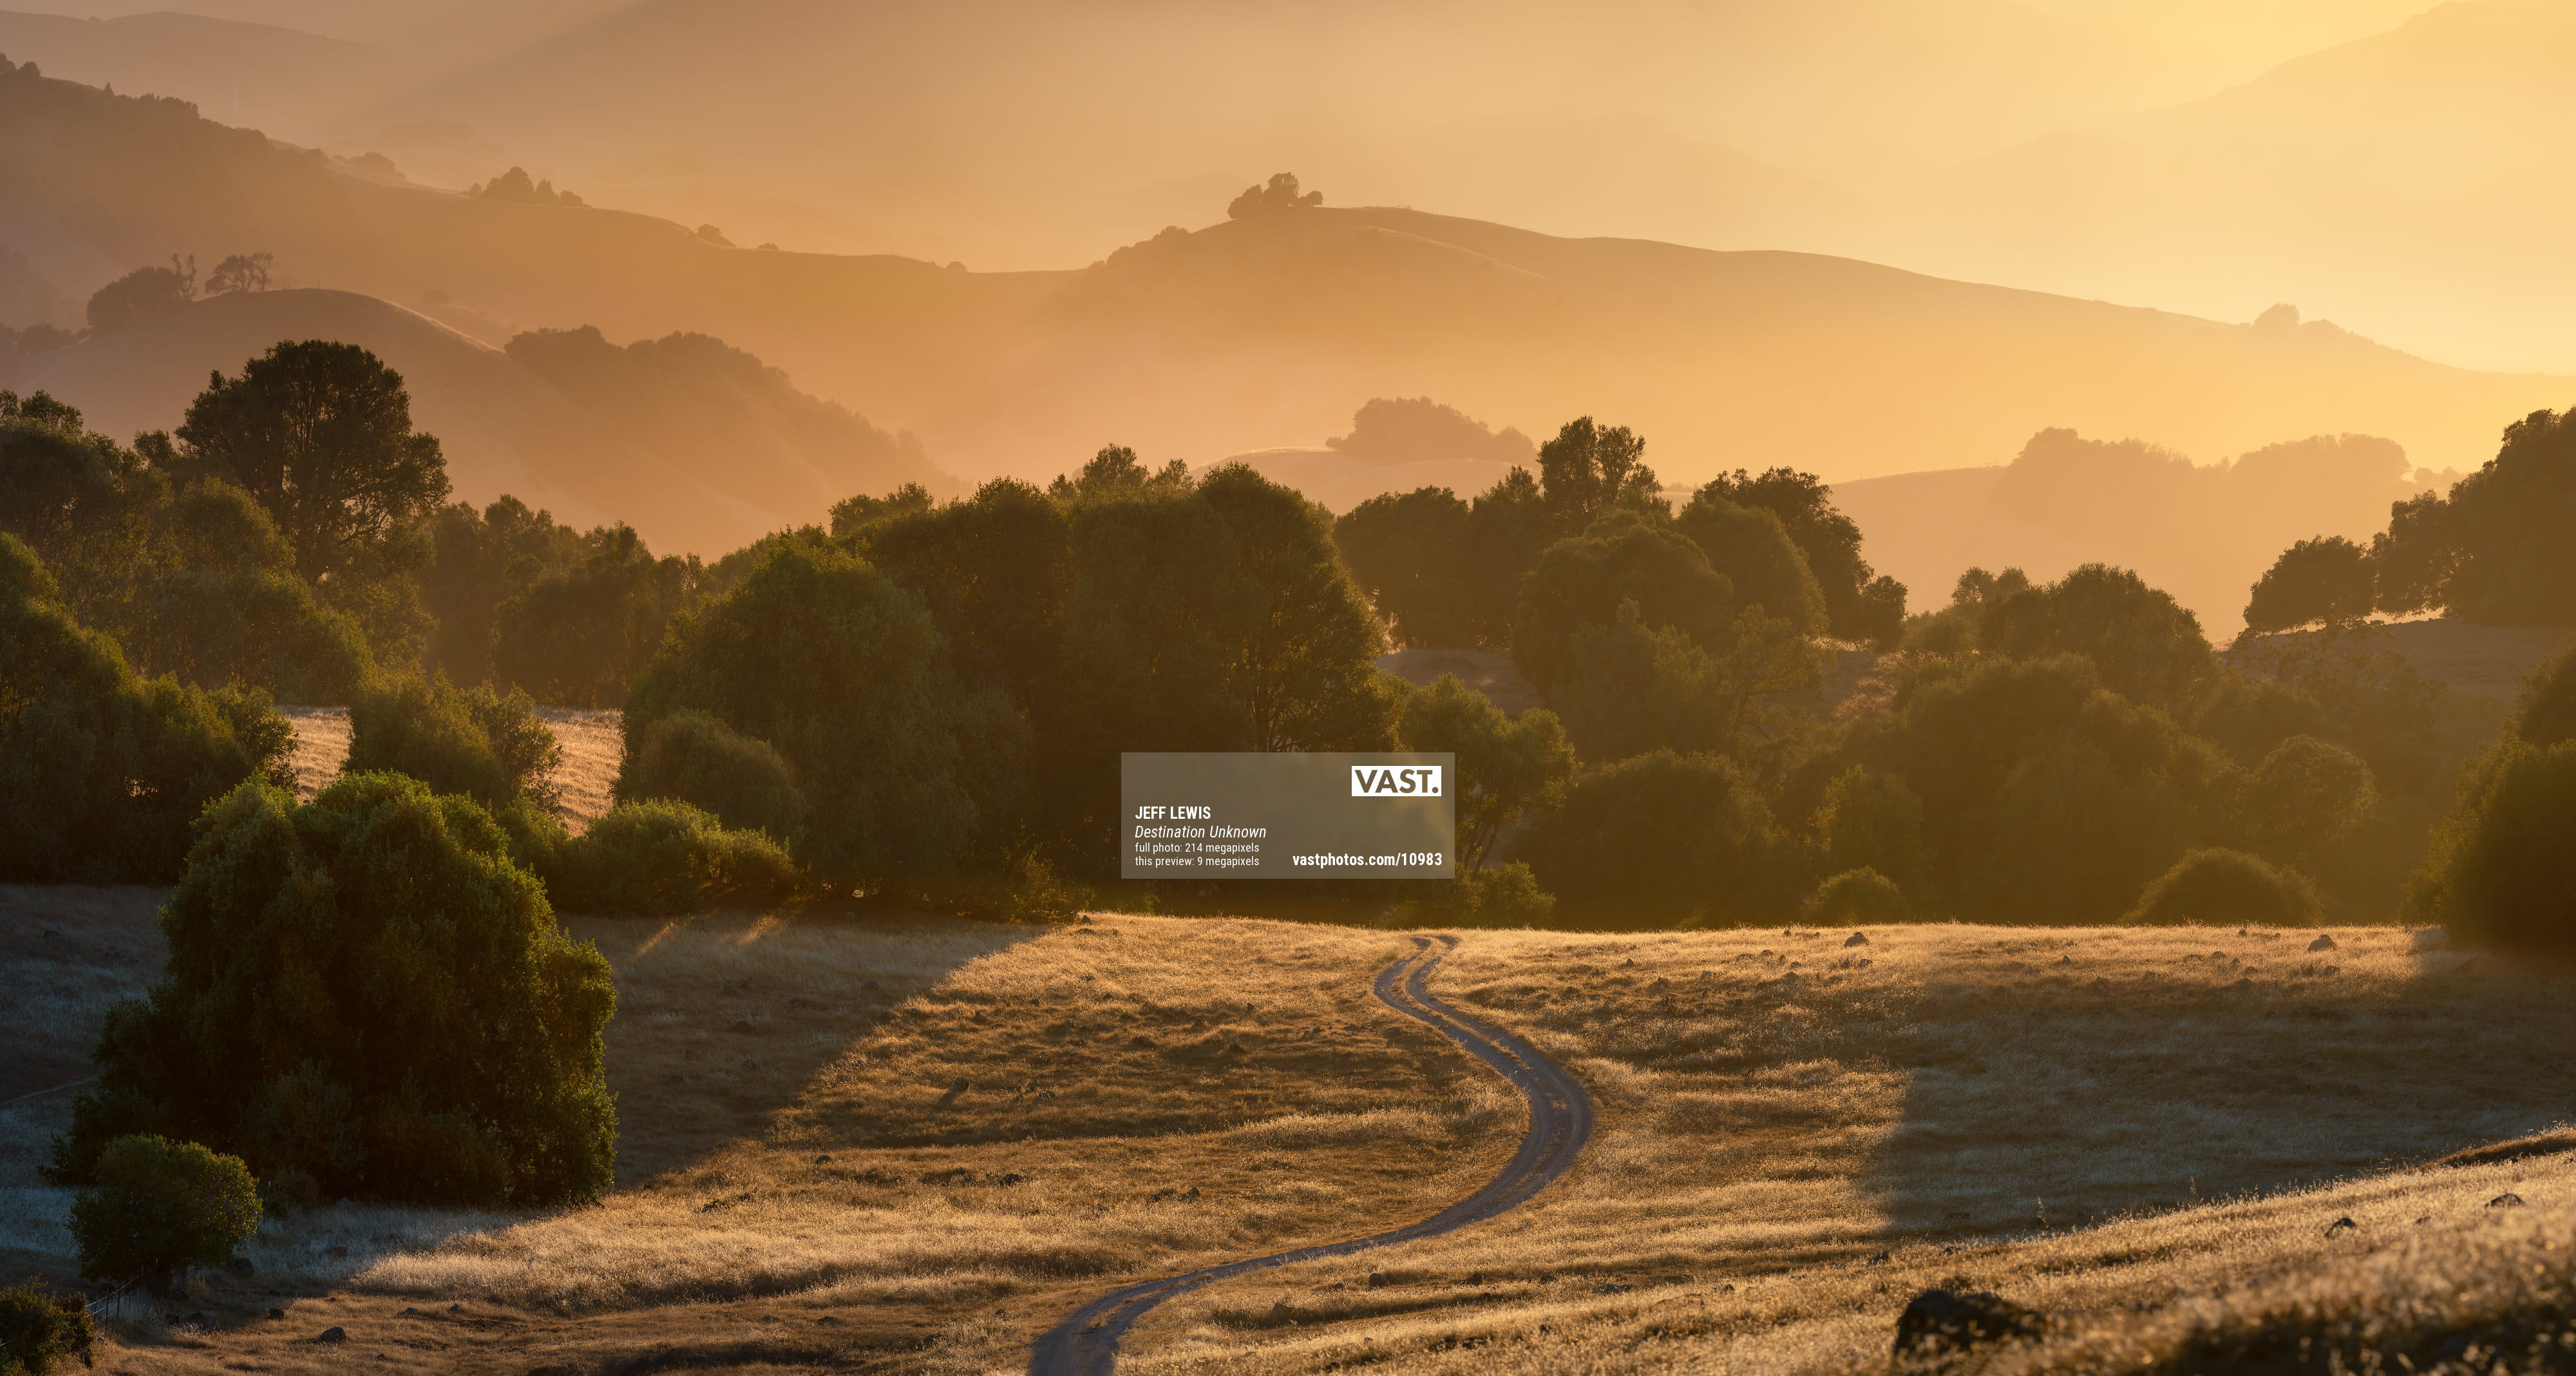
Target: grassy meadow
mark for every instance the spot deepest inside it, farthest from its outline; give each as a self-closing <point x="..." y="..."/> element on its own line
<point x="853" y="1139"/>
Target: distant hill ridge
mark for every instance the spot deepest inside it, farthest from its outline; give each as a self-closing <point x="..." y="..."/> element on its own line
<point x="1270" y="329"/>
<point x="699" y="446"/>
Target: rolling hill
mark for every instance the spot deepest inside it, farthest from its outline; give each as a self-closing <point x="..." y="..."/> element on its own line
<point x="571" y="423"/>
<point x="1259" y="332"/>
<point x="288" y="83"/>
<point x="2397" y="170"/>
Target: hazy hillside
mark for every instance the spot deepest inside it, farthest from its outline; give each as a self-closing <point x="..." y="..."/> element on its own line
<point x="2203" y="532"/>
<point x="699" y="447"/>
<point x="1267" y="330"/>
<point x="2396" y="171"/>
<point x="283" y="82"/>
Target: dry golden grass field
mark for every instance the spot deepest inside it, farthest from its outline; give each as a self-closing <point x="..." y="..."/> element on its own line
<point x="863" y="1141"/>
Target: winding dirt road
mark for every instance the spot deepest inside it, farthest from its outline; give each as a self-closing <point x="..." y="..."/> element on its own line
<point x="1560" y="1122"/>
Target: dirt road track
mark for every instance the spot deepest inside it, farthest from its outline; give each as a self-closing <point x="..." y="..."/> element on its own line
<point x="1560" y="1122"/>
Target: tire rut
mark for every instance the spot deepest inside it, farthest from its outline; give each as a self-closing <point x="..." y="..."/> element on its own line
<point x="1560" y="1123"/>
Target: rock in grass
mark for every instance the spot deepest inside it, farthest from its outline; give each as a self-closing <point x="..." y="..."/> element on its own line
<point x="1377" y="1280"/>
<point x="2322" y="943"/>
<point x="1858" y="939"/>
<point x="334" y="1334"/>
<point x="2340" y="1227"/>
<point x="2507" y="1200"/>
<point x="1943" y="1320"/>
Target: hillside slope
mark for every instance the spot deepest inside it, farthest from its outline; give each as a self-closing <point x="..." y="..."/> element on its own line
<point x="578" y="427"/>
<point x="1258" y="332"/>
<point x="2395" y="171"/>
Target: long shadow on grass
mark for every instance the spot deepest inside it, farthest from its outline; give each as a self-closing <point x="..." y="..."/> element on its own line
<point x="2064" y="1077"/>
<point x="726" y="1018"/>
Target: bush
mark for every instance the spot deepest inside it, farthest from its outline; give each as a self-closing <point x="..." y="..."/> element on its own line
<point x="665" y="856"/>
<point x="38" y="1329"/>
<point x="1855" y="897"/>
<point x="472" y="741"/>
<point x="155" y="1206"/>
<point x="1504" y="896"/>
<point x="101" y="772"/>
<point x="1662" y="839"/>
<point x="2502" y="870"/>
<point x="2227" y="887"/>
<point x="691" y="756"/>
<point x="369" y="990"/>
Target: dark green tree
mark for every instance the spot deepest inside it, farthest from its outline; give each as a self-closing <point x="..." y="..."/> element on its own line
<point x="995" y="571"/>
<point x="579" y="638"/>
<point x="1860" y="603"/>
<point x="143" y="295"/>
<point x="848" y="678"/>
<point x="1507" y="530"/>
<point x="1662" y="839"/>
<point x="101" y="772"/>
<point x="2147" y="647"/>
<point x="1753" y="549"/>
<point x="1410" y="553"/>
<point x="1635" y="688"/>
<point x="2326" y="579"/>
<point x="1508" y="767"/>
<point x="1589" y="470"/>
<point x="367" y="990"/>
<point x="320" y="433"/>
<point x="1582" y="581"/>
<point x="478" y="561"/>
<point x="691" y="756"/>
<point x="2492" y="551"/>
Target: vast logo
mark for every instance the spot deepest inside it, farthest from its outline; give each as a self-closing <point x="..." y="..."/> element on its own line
<point x="1395" y="781"/>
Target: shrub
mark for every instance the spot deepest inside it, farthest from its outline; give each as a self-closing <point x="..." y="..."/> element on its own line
<point x="366" y="989"/>
<point x="472" y="741"/>
<point x="38" y="1329"/>
<point x="1664" y="838"/>
<point x="2327" y="579"/>
<point x="155" y="1206"/>
<point x="2220" y="887"/>
<point x="1504" y="896"/>
<point x="2502" y="870"/>
<point x="1854" y="897"/>
<point x="2545" y="712"/>
<point x="665" y="856"/>
<point x="691" y="756"/>
<point x="101" y="772"/>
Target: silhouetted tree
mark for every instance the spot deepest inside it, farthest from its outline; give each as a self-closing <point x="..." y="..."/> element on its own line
<point x="1860" y="603"/>
<point x="101" y="772"/>
<point x="1410" y="553"/>
<point x="320" y="433"/>
<point x="855" y="515"/>
<point x="1662" y="839"/>
<point x="1415" y="429"/>
<point x="1279" y="193"/>
<point x="995" y="571"/>
<point x="514" y="185"/>
<point x="1508" y="767"/>
<point x="2147" y="646"/>
<point x="2328" y="578"/>
<point x="1590" y="469"/>
<point x="240" y="272"/>
<point x="1582" y="582"/>
<point x="1632" y="688"/>
<point x="2494" y="551"/>
<point x="478" y="561"/>
<point x="1753" y="550"/>
<point x="143" y="294"/>
<point x="1507" y="530"/>
<point x="580" y="637"/>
